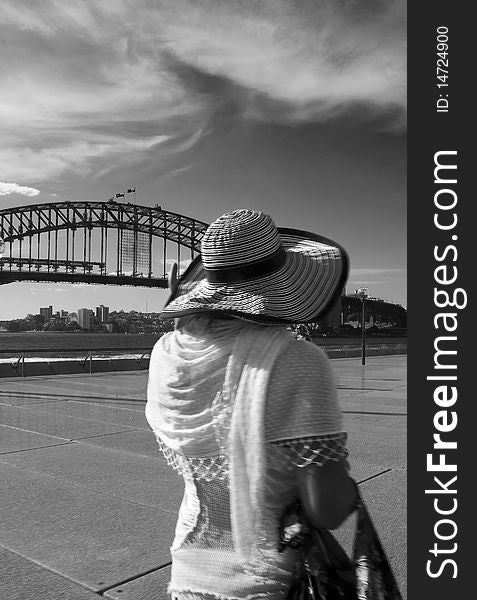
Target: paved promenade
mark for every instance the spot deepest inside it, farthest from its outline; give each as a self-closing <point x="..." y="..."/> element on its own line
<point x="88" y="506"/>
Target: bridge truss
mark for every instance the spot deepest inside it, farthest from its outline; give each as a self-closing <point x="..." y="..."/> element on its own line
<point x="96" y="242"/>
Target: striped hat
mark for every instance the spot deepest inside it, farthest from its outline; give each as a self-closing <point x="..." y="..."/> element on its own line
<point x="249" y="268"/>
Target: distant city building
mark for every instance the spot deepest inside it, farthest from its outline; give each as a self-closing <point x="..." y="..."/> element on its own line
<point x="46" y="312"/>
<point x="102" y="313"/>
<point x="84" y="318"/>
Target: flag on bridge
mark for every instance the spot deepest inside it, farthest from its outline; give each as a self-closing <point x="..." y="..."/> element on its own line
<point x="119" y="195"/>
<point x="131" y="191"/>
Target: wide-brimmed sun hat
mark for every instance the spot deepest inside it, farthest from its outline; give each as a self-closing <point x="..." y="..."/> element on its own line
<point x="249" y="268"/>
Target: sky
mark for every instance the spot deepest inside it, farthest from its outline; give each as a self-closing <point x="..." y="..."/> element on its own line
<point x="297" y="108"/>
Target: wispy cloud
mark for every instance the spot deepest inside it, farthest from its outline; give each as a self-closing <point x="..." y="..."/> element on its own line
<point x="92" y="85"/>
<point x="312" y="60"/>
<point x="180" y="170"/>
<point x="6" y="189"/>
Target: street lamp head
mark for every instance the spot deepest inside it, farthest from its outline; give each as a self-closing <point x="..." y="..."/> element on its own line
<point x="363" y="293"/>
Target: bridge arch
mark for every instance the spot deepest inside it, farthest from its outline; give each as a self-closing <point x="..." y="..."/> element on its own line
<point x="110" y="242"/>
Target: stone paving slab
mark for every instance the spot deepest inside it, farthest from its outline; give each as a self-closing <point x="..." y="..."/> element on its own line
<point x="348" y="393"/>
<point x="399" y="394"/>
<point x="42" y="397"/>
<point x="375" y="404"/>
<point x="116" y="414"/>
<point x="21" y="578"/>
<point x="103" y="385"/>
<point x="54" y="424"/>
<point x="91" y="538"/>
<point x="377" y="440"/>
<point x="389" y="368"/>
<point x="358" y="384"/>
<point x="389" y="519"/>
<point x="90" y="511"/>
<point x="385" y="497"/>
<point x="15" y="440"/>
<point x="138" y="441"/>
<point x="149" y="587"/>
<point x="146" y="481"/>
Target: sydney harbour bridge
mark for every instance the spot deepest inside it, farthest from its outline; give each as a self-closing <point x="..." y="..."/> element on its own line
<point x="95" y="242"/>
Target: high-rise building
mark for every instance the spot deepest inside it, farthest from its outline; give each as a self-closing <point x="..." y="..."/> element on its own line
<point x="102" y="313"/>
<point x="84" y="318"/>
<point x="46" y="312"/>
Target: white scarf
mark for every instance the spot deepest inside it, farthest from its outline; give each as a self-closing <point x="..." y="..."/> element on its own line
<point x="185" y="366"/>
<point x="252" y="361"/>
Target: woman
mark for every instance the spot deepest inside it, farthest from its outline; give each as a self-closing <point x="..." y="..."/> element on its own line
<point x="244" y="411"/>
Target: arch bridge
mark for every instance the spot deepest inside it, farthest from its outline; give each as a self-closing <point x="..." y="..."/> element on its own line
<point x="95" y="242"/>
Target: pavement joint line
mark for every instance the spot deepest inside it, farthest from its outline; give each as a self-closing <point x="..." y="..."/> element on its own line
<point x="56" y="437"/>
<point x="374" y="476"/>
<point x="47" y="568"/>
<point x="371" y="412"/>
<point x="366" y="389"/>
<point x="46" y="412"/>
<point x="30" y="403"/>
<point x="378" y="378"/>
<point x="123" y="450"/>
<point x="102" y="405"/>
<point x="36" y="448"/>
<point x="33" y="379"/>
<point x="374" y="378"/>
<point x="90" y="489"/>
<point x="89" y="437"/>
<point x="62" y="397"/>
<point x="102" y="591"/>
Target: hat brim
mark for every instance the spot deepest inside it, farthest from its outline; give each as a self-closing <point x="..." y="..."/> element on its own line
<point x="304" y="288"/>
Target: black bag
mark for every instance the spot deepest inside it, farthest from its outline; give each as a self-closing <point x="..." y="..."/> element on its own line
<point x="325" y="572"/>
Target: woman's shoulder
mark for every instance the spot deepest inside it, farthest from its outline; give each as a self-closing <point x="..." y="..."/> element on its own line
<point x="300" y="370"/>
<point x="162" y="344"/>
<point x="302" y="352"/>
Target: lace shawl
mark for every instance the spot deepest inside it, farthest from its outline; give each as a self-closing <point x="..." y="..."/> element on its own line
<point x="183" y="418"/>
<point x="204" y="366"/>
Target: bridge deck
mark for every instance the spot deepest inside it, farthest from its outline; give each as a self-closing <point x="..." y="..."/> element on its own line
<point x="88" y="507"/>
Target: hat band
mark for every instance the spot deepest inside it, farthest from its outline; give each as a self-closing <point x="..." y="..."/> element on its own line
<point x="249" y="271"/>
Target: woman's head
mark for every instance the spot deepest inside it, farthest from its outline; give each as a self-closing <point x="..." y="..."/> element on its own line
<point x="250" y="269"/>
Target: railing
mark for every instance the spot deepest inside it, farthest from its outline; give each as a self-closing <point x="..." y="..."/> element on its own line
<point x="372" y="349"/>
<point x="25" y="363"/>
<point x="85" y="360"/>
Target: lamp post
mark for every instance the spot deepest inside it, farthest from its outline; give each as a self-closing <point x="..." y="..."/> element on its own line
<point x="362" y="294"/>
